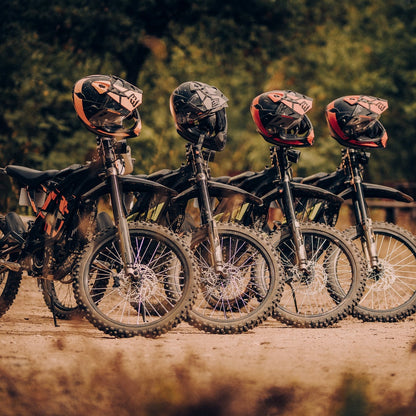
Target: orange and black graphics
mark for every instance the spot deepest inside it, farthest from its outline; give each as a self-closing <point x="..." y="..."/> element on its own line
<point x="54" y="211"/>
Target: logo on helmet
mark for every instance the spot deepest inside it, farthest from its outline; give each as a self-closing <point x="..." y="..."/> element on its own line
<point x="135" y="99"/>
<point x="373" y="104"/>
<point x="297" y="102"/>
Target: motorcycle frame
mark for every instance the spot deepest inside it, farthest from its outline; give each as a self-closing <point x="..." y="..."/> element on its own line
<point x="276" y="184"/>
<point x="80" y="188"/>
<point x="204" y="189"/>
<point x="353" y="161"/>
<point x="194" y="182"/>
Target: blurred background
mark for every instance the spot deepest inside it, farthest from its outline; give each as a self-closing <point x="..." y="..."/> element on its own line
<point x="323" y="49"/>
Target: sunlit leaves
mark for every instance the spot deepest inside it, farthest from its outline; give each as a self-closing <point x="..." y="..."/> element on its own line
<point x="244" y="48"/>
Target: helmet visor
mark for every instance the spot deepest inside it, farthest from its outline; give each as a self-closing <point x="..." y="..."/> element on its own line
<point x="113" y="120"/>
<point x="282" y="122"/>
<point x="107" y="118"/>
<point x="358" y="125"/>
<point x="188" y="115"/>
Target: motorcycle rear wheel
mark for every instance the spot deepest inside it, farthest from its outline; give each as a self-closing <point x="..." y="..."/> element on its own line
<point x="9" y="280"/>
<point x="59" y="294"/>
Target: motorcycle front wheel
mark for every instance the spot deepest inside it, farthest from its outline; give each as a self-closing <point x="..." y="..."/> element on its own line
<point x="248" y="288"/>
<point x="151" y="302"/>
<point x="390" y="292"/>
<point x="331" y="284"/>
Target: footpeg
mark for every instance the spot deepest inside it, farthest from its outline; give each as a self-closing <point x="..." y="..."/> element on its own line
<point x="10" y="265"/>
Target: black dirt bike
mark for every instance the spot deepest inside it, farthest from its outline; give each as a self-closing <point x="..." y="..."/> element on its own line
<point x="120" y="271"/>
<point x="390" y="251"/>
<point x="34" y="186"/>
<point x="324" y="272"/>
<point x="239" y="275"/>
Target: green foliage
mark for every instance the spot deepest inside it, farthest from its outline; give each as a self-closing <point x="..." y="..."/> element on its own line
<point x="357" y="48"/>
<point x="242" y="48"/>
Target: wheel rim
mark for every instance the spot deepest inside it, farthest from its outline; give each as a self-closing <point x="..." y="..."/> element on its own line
<point x="240" y="289"/>
<point x="327" y="282"/>
<point x="395" y="284"/>
<point x="140" y="301"/>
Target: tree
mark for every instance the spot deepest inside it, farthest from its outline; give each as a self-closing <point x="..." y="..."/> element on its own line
<point x="242" y="48"/>
<point x="357" y="48"/>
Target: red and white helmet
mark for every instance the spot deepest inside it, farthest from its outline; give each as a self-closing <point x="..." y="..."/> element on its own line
<point x="353" y="120"/>
<point x="280" y="117"/>
<point x="108" y="106"/>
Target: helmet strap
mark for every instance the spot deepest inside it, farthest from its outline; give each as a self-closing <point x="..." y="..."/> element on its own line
<point x="200" y="140"/>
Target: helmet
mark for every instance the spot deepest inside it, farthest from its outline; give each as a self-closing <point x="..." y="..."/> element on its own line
<point x="353" y="121"/>
<point x="199" y="109"/>
<point x="280" y="117"/>
<point x="108" y="105"/>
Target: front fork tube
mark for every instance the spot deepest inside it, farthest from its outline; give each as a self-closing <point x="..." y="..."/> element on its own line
<point x="121" y="223"/>
<point x="294" y="224"/>
<point x="365" y="222"/>
<point x="206" y="211"/>
<point x="214" y="241"/>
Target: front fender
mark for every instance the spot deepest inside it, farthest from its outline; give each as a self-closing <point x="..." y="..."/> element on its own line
<point x="130" y="183"/>
<point x="217" y="189"/>
<point x="378" y="191"/>
<point x="303" y="190"/>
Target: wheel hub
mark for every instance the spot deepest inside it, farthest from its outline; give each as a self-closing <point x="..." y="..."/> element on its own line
<point x="141" y="289"/>
<point x="312" y="280"/>
<point x="224" y="285"/>
<point x="384" y="278"/>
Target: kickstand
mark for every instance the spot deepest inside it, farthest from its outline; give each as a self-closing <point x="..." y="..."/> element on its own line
<point x="293" y="296"/>
<point x="55" y="322"/>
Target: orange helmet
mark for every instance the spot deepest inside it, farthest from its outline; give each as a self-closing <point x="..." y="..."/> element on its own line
<point x="280" y="117"/>
<point x="108" y="106"/>
<point x="353" y="121"/>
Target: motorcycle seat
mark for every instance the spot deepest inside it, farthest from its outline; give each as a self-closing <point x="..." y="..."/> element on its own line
<point x="28" y="176"/>
<point x="221" y="179"/>
<point x="159" y="174"/>
<point x="313" y="178"/>
<point x="237" y="179"/>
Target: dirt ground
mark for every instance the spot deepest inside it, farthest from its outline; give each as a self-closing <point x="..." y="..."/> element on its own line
<point x="314" y="360"/>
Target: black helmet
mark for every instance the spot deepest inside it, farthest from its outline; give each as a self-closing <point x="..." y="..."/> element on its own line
<point x="353" y="121"/>
<point x="108" y="105"/>
<point x="280" y="117"/>
<point x="199" y="108"/>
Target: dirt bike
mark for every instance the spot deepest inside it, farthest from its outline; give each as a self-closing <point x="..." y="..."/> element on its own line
<point x="324" y="271"/>
<point x="34" y="186"/>
<point x="390" y="251"/>
<point x="130" y="263"/>
<point x="239" y="275"/>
